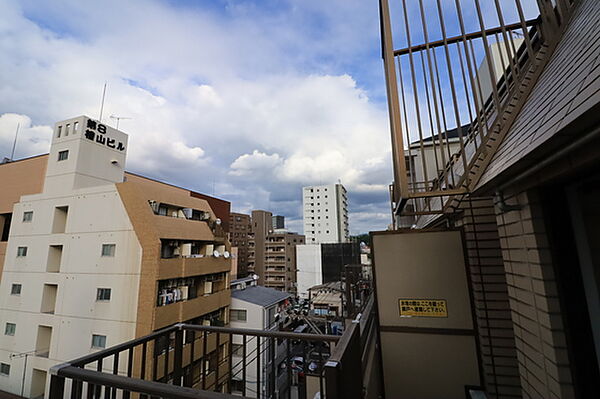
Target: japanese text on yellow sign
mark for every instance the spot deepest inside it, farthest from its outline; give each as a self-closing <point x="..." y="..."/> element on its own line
<point x="422" y="308"/>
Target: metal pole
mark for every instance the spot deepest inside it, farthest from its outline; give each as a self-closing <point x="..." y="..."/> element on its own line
<point x="12" y="153"/>
<point x="102" y="104"/>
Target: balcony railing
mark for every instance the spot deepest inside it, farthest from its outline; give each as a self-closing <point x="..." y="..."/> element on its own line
<point x="192" y="361"/>
<point x="455" y="86"/>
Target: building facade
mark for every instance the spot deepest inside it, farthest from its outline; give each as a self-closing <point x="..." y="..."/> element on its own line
<point x="278" y="222"/>
<point x="325" y="214"/>
<point x="100" y="256"/>
<point x="260" y="308"/>
<point x="280" y="261"/>
<point x="240" y="228"/>
<point x="262" y="226"/>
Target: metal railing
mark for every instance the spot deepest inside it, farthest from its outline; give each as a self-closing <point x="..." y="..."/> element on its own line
<point x="453" y="96"/>
<point x="185" y="361"/>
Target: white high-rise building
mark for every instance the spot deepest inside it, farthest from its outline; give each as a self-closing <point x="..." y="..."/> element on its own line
<point x="325" y="211"/>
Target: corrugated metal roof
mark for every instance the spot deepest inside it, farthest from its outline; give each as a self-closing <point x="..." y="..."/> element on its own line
<point x="258" y="295"/>
<point x="568" y="87"/>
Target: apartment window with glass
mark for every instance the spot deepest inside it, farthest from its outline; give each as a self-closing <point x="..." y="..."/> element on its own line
<point x="15" y="289"/>
<point x="237" y="315"/>
<point x="21" y="252"/>
<point x="103" y="294"/>
<point x="27" y="216"/>
<point x="75" y="127"/>
<point x="4" y="369"/>
<point x="59" y="132"/>
<point x="108" y="249"/>
<point x="10" y="329"/>
<point x="98" y="341"/>
<point x="62" y="155"/>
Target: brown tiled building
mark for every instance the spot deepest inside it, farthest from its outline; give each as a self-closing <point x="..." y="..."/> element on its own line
<point x="240" y="228"/>
<point x="280" y="261"/>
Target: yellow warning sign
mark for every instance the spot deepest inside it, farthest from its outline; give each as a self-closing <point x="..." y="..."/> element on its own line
<point x="423" y="308"/>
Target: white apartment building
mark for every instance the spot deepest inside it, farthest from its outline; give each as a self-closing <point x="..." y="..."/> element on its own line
<point x="259" y="308"/>
<point x="325" y="210"/>
<point x="309" y="266"/>
<point x="74" y="279"/>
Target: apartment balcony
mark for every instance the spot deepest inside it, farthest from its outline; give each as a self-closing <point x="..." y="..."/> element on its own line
<point x="191" y="266"/>
<point x="183" y="229"/>
<point x="344" y="366"/>
<point x="189" y="309"/>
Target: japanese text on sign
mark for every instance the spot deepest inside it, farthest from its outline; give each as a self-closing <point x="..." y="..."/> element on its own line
<point x="97" y="132"/>
<point x="423" y="308"/>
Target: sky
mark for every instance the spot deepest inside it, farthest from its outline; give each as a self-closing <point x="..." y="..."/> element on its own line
<point x="245" y="100"/>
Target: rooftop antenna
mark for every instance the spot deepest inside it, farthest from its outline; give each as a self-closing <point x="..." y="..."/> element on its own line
<point x="118" y="118"/>
<point x="102" y="104"/>
<point x="12" y="153"/>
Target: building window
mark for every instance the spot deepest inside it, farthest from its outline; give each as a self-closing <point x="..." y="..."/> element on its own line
<point x="21" y="251"/>
<point x="75" y="127"/>
<point x="63" y="155"/>
<point x="98" y="341"/>
<point x="108" y="249"/>
<point x="27" y="216"/>
<point x="15" y="289"/>
<point x="10" y="329"/>
<point x="59" y="131"/>
<point x="67" y="128"/>
<point x="237" y="315"/>
<point x="103" y="294"/>
<point x="4" y="369"/>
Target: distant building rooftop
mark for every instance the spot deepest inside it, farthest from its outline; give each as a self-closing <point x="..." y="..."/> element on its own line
<point x="258" y="295"/>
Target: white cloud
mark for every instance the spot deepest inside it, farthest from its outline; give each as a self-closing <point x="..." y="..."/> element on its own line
<point x="31" y="139"/>
<point x="253" y="104"/>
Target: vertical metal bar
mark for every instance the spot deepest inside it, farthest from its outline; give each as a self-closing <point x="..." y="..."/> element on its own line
<point x="506" y="44"/>
<point x="113" y="391"/>
<point x="443" y="135"/>
<point x="204" y="358"/>
<point x="192" y="352"/>
<point x="76" y="389"/>
<point x="415" y="94"/>
<point x="288" y="363"/>
<point x="273" y="370"/>
<point x="166" y="358"/>
<point x="155" y="360"/>
<point x="244" y="364"/>
<point x="144" y="352"/>
<point x="98" y="388"/>
<point x="230" y="359"/>
<point x="90" y="391"/>
<point x="178" y="357"/>
<point x="525" y="30"/>
<point x="504" y="70"/>
<point x="258" y="369"/>
<point x="488" y="56"/>
<point x="57" y="387"/>
<point x="453" y="89"/>
<point x="218" y="350"/>
<point x="472" y="122"/>
<point x="426" y="84"/>
<point x="400" y="178"/>
<point x="408" y="141"/>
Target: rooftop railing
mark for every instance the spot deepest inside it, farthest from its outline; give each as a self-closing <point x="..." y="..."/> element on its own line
<point x="454" y="87"/>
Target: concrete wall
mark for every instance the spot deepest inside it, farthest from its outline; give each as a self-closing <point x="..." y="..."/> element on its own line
<point x="308" y="261"/>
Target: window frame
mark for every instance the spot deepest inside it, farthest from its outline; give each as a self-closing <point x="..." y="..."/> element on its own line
<point x="99" y="336"/>
<point x="21" y="252"/>
<point x="13" y="286"/>
<point x="2" y="368"/>
<point x="237" y="313"/>
<point x="100" y="294"/>
<point x="13" y="327"/>
<point x="60" y="155"/>
<point x="110" y="254"/>
<point x="27" y="216"/>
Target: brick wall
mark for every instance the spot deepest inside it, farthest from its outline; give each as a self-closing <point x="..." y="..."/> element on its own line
<point x="532" y="291"/>
<point x="491" y="300"/>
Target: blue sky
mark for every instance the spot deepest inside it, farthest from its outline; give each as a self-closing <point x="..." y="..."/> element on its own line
<point x="246" y="100"/>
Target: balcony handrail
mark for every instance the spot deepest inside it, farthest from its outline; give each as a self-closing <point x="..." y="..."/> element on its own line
<point x="155" y="389"/>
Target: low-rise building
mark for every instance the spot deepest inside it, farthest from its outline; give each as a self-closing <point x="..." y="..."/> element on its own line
<point x="261" y="308"/>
